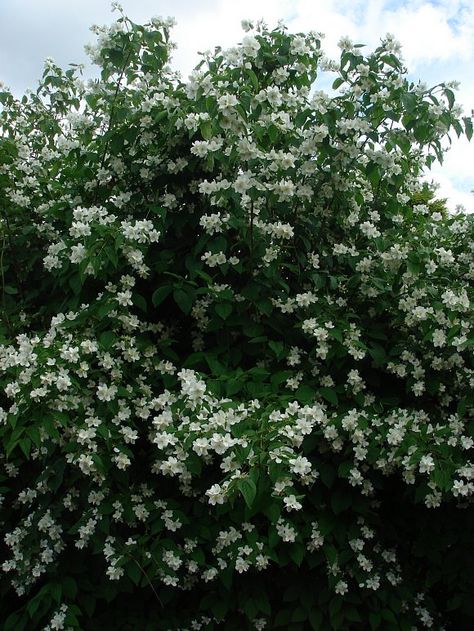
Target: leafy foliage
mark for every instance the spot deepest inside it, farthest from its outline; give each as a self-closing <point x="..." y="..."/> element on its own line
<point x="236" y="344"/>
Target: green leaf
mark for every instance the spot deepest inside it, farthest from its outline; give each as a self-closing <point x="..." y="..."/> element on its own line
<point x="233" y="386"/>
<point x="12" y="623"/>
<point x="206" y="130"/>
<point x="215" y="365"/>
<point x="352" y="614"/>
<point x="33" y="433"/>
<point x="272" y="511"/>
<point x="329" y="395"/>
<point x="373" y="173"/>
<point x="297" y="552"/>
<point x="330" y="553"/>
<point x="391" y="60"/>
<point x="273" y="133"/>
<point x="299" y="615"/>
<point x="248" y="489"/>
<point x="468" y="126"/>
<point x="414" y="267"/>
<point x="422" y="133"/>
<point x="111" y="255"/>
<point x="25" y="446"/>
<point x="75" y="283"/>
<point x="278" y="378"/>
<point x="305" y="394"/>
<point x="159" y="116"/>
<point x="257" y="340"/>
<point x="139" y="301"/>
<point x="70" y="589"/>
<point x="335" y="606"/>
<point x="337" y="334"/>
<point x="282" y="618"/>
<point x="265" y="306"/>
<point x="316" y="620"/>
<point x="253" y="78"/>
<point x="224" y="309"/>
<point x="193" y="265"/>
<point x="160" y="294"/>
<point x="278" y="348"/>
<point x="375" y="619"/>
<point x="104" y="309"/>
<point x="378" y="354"/>
<point x="262" y="602"/>
<point x="328" y="474"/>
<point x="183" y="299"/>
<point x="33" y="605"/>
<point x="106" y="339"/>
<point x="389" y="616"/>
<point x="134" y="573"/>
<point x="340" y="501"/>
<point x="56" y="591"/>
<point x="450" y="96"/>
<point x="344" y="468"/>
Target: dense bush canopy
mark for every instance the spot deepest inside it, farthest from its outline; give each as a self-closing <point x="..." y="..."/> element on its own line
<point x="236" y="354"/>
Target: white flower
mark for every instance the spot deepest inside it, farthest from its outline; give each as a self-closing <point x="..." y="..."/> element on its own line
<point x="426" y="464"/>
<point x="124" y="298"/>
<point x="439" y="338"/>
<point x="284" y="189"/>
<point x="213" y="223"/>
<point x="291" y="503"/>
<point x="114" y="572"/>
<point x="285" y="531"/>
<point x="227" y="102"/>
<point x="200" y="148"/>
<point x="213" y="260"/>
<point x="122" y="460"/>
<point x="299" y="46"/>
<point x="457" y="301"/>
<point x="282" y="230"/>
<point x="242" y="183"/>
<point x="106" y="393"/>
<point x="345" y="43"/>
<point x="85" y="463"/>
<point x="201" y="446"/>
<point x="341" y="588"/>
<point x="209" y="575"/>
<point x="250" y="46"/>
<point x="459" y="488"/>
<point x="300" y="465"/>
<point x="216" y="494"/>
<point x="63" y="382"/>
<point x="241" y="565"/>
<point x="172" y="466"/>
<point x="395" y="435"/>
<point x="163" y="439"/>
<point x="78" y="253"/>
<point x="369" y="230"/>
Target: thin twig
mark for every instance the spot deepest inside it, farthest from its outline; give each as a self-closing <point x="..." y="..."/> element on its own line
<point x="142" y="569"/>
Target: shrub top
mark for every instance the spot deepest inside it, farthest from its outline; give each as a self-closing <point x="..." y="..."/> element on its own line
<point x="235" y="321"/>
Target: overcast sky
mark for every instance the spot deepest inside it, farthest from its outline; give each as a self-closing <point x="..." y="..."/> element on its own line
<point x="437" y="38"/>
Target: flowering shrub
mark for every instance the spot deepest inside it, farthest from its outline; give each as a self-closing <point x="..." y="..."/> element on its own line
<point x="236" y="353"/>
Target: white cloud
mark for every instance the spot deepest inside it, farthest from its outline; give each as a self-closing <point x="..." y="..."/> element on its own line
<point x="447" y="190"/>
<point x="428" y="33"/>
